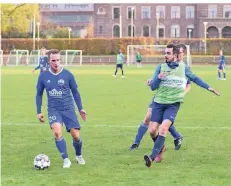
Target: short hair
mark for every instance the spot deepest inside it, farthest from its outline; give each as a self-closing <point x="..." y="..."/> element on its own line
<point x="52" y="51"/>
<point x="175" y="49"/>
<point x="182" y="46"/>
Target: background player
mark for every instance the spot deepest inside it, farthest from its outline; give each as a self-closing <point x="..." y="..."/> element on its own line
<point x="43" y="62"/>
<point x="61" y="88"/>
<point x="221" y="66"/>
<point x="119" y="63"/>
<point x="138" y="59"/>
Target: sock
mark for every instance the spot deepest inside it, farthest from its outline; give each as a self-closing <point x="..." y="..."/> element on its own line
<point x="224" y="75"/>
<point x="140" y="133"/>
<point x="219" y="75"/>
<point x="61" y="146"/>
<point x="157" y="146"/>
<point x="122" y="72"/>
<point x="173" y="132"/>
<point x="78" y="147"/>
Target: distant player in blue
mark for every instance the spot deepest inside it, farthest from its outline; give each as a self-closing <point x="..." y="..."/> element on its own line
<point x="221" y="66"/>
<point x="43" y="62"/>
<point x="169" y="81"/>
<point x="61" y="88"/>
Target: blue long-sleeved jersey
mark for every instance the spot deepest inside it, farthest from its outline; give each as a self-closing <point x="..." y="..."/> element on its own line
<point x="222" y="60"/>
<point x="43" y="63"/>
<point x="61" y="88"/>
<point x="192" y="77"/>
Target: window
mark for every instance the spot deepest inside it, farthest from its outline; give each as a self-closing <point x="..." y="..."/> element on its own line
<point x="116" y="31"/>
<point x="161" y="11"/>
<point x="190" y="12"/>
<point x="175" y="31"/>
<point x="116" y="12"/>
<point x="190" y="31"/>
<point x="227" y="11"/>
<point x="100" y="29"/>
<point x="129" y="31"/>
<point x="161" y="31"/>
<point x="175" y="12"/>
<point x="212" y="11"/>
<point x="130" y="10"/>
<point x="146" y="31"/>
<point x="146" y="12"/>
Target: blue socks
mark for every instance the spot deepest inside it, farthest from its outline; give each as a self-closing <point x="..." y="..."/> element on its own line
<point x="157" y="146"/>
<point x="173" y="132"/>
<point x="61" y="146"/>
<point x="141" y="132"/>
<point x="78" y="147"/>
<point x="219" y="74"/>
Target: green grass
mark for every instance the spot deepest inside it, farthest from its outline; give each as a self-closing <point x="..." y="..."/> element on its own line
<point x="115" y="108"/>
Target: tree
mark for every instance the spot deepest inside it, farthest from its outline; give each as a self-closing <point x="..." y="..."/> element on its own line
<point x="17" y="18"/>
<point x="90" y="31"/>
<point x="61" y="32"/>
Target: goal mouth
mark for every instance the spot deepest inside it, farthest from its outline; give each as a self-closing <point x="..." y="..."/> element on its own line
<point x="152" y="54"/>
<point x="18" y="57"/>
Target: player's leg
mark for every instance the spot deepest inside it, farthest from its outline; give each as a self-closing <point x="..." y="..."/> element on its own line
<point x="176" y="136"/>
<point x="55" y="121"/>
<point x="72" y="125"/>
<point x="142" y="130"/>
<point x="224" y="74"/>
<point x="116" y="70"/>
<point x="121" y="67"/>
<point x="219" y="72"/>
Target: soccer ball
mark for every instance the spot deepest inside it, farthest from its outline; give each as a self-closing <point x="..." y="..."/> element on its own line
<point x="42" y="162"/>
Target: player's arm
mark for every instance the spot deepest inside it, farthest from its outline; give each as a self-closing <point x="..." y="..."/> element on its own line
<point x="198" y="81"/>
<point x="188" y="87"/>
<point x="39" y="96"/>
<point x="122" y="57"/>
<point x="36" y="68"/>
<point x="77" y="97"/>
<point x="154" y="84"/>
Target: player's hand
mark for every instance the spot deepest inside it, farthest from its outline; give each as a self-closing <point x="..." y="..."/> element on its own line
<point x="33" y="70"/>
<point x="214" y="91"/>
<point x="148" y="82"/>
<point x="83" y="114"/>
<point x="41" y="117"/>
<point x="162" y="75"/>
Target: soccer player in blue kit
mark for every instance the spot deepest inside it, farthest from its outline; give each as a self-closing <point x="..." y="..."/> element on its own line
<point x="61" y="88"/>
<point x="43" y="62"/>
<point x="221" y="66"/>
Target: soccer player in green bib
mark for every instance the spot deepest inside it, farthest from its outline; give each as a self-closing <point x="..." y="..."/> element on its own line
<point x="138" y="59"/>
<point x="169" y="81"/>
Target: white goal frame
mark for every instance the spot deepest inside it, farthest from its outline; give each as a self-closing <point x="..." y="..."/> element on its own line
<point x="17" y="57"/>
<point x="135" y="47"/>
<point x="1" y="57"/>
<point x="66" y="56"/>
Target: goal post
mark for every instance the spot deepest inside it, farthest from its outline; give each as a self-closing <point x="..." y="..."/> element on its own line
<point x="1" y="57"/>
<point x="18" y="57"/>
<point x="152" y="54"/>
<point x="71" y="57"/>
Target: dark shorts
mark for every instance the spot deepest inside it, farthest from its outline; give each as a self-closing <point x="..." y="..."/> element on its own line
<point x="220" y="67"/>
<point x="68" y="117"/>
<point x="138" y="61"/>
<point x="161" y="112"/>
<point x="119" y="66"/>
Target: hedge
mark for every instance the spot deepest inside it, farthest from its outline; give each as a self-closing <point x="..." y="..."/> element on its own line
<point x="110" y="46"/>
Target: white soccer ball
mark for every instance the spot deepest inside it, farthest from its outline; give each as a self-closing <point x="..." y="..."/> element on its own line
<point x="42" y="162"/>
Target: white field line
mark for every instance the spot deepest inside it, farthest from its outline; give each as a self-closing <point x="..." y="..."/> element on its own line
<point x="117" y="126"/>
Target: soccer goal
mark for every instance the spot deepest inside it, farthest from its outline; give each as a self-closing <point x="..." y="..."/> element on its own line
<point x="71" y="57"/>
<point x="18" y="57"/>
<point x="34" y="57"/>
<point x="152" y="54"/>
<point x="1" y="57"/>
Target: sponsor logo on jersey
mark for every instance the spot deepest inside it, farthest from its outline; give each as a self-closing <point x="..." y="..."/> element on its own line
<point x="55" y="93"/>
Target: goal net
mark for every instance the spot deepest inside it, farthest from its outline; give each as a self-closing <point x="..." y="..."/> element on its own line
<point x="18" y="57"/>
<point x="152" y="54"/>
<point x="71" y="57"/>
<point x="34" y="57"/>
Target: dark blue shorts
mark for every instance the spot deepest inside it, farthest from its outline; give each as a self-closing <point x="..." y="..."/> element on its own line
<point x="161" y="112"/>
<point x="220" y="67"/>
<point x="68" y="117"/>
